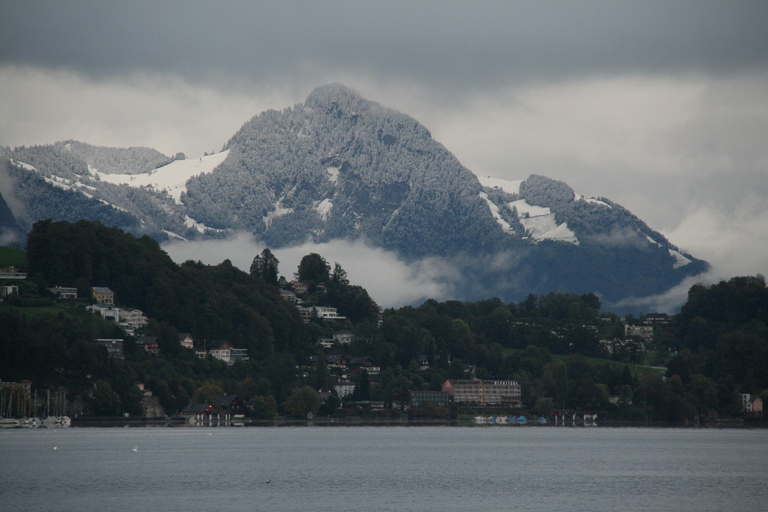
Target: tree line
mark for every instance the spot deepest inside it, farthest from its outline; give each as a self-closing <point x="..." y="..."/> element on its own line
<point x="715" y="348"/>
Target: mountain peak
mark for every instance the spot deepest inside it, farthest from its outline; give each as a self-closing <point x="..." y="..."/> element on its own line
<point x="340" y="167"/>
<point x="336" y="95"/>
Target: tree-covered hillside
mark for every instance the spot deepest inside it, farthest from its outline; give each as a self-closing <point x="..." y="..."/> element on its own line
<point x="562" y="349"/>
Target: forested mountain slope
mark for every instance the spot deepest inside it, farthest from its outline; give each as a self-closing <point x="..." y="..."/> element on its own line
<point x="341" y="167"/>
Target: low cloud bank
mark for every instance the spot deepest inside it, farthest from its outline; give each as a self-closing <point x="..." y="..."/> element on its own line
<point x="668" y="302"/>
<point x="390" y="281"/>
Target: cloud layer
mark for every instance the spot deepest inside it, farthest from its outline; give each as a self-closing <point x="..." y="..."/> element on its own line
<point x="389" y="281"/>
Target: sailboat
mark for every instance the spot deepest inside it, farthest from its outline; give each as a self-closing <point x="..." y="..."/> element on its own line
<point x="7" y="422"/>
<point x="48" y="420"/>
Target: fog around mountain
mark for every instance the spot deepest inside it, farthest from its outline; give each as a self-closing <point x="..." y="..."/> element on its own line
<point x="340" y="168"/>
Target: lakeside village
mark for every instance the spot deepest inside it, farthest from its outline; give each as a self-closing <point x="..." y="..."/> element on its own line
<point x="500" y="401"/>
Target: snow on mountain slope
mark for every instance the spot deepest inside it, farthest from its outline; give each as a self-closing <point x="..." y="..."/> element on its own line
<point x="510" y="187"/>
<point x="496" y="214"/>
<point x="538" y="221"/>
<point x="171" y="178"/>
<point x="680" y="260"/>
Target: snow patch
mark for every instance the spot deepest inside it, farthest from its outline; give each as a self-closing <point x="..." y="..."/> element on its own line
<point x="510" y="187"/>
<point x="594" y="201"/>
<point x="279" y="211"/>
<point x="496" y="215"/>
<point x="115" y="207"/>
<point x="199" y="226"/>
<point x="24" y="165"/>
<point x="333" y="174"/>
<point x="324" y="208"/>
<point x="171" y="178"/>
<point x="171" y="234"/>
<point x="540" y="222"/>
<point x="680" y="260"/>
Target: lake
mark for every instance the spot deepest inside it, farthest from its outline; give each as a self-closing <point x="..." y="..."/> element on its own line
<point x="383" y="469"/>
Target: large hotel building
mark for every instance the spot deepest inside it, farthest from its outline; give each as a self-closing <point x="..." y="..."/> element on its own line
<point x="484" y="392"/>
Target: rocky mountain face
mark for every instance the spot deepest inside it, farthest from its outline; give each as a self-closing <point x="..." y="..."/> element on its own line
<point x="341" y="167"/>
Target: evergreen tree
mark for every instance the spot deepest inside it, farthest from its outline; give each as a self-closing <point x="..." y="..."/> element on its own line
<point x="264" y="266"/>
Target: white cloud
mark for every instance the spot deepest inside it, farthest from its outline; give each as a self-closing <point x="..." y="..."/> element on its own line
<point x="388" y="280"/>
<point x="735" y="244"/>
<point x="164" y="112"/>
<point x="667" y="302"/>
<point x="686" y="153"/>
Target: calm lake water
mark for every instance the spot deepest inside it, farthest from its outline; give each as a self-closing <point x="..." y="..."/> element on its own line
<point x="383" y="469"/>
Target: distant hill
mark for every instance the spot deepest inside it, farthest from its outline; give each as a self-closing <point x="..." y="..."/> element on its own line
<point x="341" y="167"/>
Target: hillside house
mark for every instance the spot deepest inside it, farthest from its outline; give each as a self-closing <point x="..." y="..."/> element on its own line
<point x="103" y="295"/>
<point x="336" y="361"/>
<point x="326" y="313"/>
<point x="107" y="311"/>
<point x="344" y="387"/>
<point x="641" y="331"/>
<point x="148" y="344"/>
<point x="186" y="341"/>
<point x="9" y="291"/>
<point x="326" y="343"/>
<point x="656" y="319"/>
<point x="131" y="319"/>
<point x="751" y="404"/>
<point x="299" y="287"/>
<point x="305" y="313"/>
<point x="221" y="350"/>
<point x="12" y="273"/>
<point x="128" y="319"/>
<point x="114" y="347"/>
<point x="343" y="337"/>
<point x="62" y="292"/>
<point x="366" y="364"/>
<point x="224" y="351"/>
<point x="289" y="296"/>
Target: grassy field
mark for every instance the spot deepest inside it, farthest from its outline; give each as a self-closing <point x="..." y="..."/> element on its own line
<point x="67" y="307"/>
<point x="10" y="257"/>
<point x="634" y="368"/>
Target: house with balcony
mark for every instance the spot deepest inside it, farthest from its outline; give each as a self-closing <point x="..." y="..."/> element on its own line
<point x="326" y="313"/>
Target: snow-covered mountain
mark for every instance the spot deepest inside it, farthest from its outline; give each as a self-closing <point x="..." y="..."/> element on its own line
<point x="341" y="167"/>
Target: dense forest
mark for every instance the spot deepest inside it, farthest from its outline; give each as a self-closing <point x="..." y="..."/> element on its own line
<point x="563" y="350"/>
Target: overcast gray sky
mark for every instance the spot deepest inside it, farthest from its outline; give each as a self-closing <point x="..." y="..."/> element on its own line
<point x="659" y="106"/>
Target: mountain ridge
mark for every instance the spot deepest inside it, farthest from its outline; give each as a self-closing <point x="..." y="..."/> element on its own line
<point x="338" y="166"/>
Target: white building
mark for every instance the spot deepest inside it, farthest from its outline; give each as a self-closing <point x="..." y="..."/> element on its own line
<point x="343" y="337"/>
<point x="327" y="313"/>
